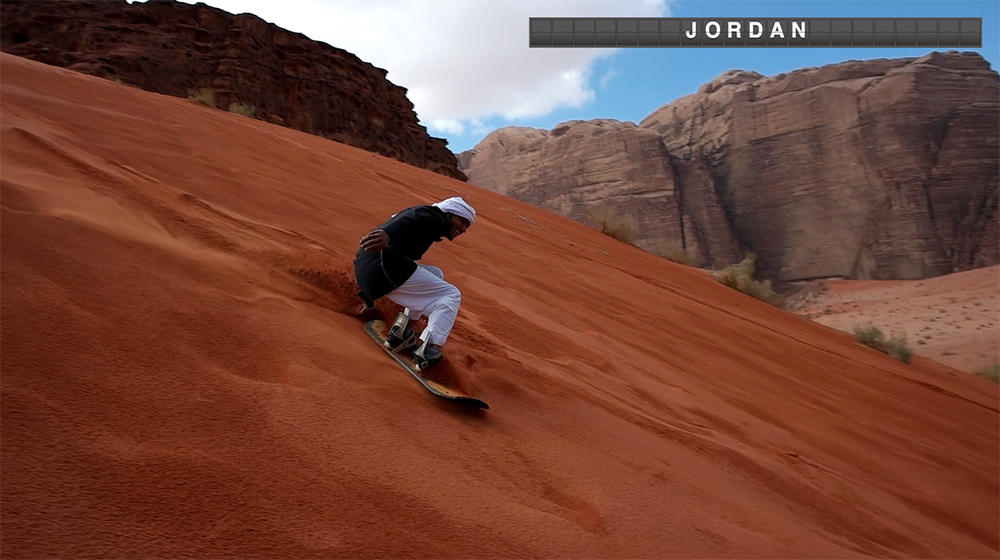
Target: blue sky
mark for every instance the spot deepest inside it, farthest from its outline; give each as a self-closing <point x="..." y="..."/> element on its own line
<point x="642" y="80"/>
<point x="468" y="69"/>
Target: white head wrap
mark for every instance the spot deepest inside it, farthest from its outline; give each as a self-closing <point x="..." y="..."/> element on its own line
<point x="458" y="207"/>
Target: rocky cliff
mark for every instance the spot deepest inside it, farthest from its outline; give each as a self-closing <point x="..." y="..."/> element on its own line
<point x="175" y="49"/>
<point x="582" y="166"/>
<point x="878" y="169"/>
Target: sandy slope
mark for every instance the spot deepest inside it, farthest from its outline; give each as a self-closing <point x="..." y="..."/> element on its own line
<point x="179" y="378"/>
<point x="952" y="319"/>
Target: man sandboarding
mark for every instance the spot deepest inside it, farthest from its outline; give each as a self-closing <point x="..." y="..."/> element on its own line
<point x="385" y="266"/>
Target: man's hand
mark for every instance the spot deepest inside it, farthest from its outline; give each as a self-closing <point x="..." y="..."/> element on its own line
<point x="375" y="240"/>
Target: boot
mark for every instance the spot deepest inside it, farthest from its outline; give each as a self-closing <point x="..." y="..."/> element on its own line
<point x="367" y="310"/>
<point x="407" y="341"/>
<point x="427" y="356"/>
<point x="399" y="337"/>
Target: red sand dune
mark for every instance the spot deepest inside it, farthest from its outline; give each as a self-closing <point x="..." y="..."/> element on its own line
<point x="180" y="377"/>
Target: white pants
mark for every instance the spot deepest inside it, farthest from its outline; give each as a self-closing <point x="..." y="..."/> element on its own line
<point x="427" y="294"/>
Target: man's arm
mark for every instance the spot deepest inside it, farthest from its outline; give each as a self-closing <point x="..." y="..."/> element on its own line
<point x="378" y="239"/>
<point x="375" y="240"/>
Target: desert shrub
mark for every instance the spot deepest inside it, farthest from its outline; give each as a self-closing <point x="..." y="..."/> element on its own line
<point x="991" y="373"/>
<point x="205" y="96"/>
<point x="613" y="223"/>
<point x="244" y="109"/>
<point x="895" y="346"/>
<point x="870" y="335"/>
<point x="740" y="277"/>
<point x="680" y="255"/>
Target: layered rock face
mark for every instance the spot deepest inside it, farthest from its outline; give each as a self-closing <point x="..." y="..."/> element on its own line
<point x="584" y="165"/>
<point x="624" y="166"/>
<point x="175" y="48"/>
<point x="880" y="169"/>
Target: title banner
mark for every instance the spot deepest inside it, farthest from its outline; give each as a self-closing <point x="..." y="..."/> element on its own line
<point x="750" y="32"/>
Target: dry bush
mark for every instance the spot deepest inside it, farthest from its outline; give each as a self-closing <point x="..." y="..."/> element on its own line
<point x="895" y="346"/>
<point x="870" y="335"/>
<point x="680" y="255"/>
<point x="991" y="373"/>
<point x="244" y="109"/>
<point x="205" y="96"/>
<point x="740" y="277"/>
<point x="611" y="222"/>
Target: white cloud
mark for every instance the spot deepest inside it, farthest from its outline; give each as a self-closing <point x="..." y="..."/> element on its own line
<point x="459" y="59"/>
<point x="478" y="127"/>
<point x="607" y="77"/>
<point x="451" y="126"/>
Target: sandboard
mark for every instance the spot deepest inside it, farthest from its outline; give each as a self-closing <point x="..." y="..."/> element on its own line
<point x="377" y="330"/>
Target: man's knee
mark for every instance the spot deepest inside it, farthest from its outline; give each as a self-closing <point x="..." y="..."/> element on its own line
<point x="450" y="298"/>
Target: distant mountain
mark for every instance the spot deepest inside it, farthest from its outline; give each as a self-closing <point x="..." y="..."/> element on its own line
<point x="866" y="169"/>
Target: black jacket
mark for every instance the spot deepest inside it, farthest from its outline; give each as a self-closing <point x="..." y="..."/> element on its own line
<point x="411" y="233"/>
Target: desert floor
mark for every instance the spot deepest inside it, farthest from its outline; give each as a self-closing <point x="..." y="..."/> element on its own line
<point x="951" y="319"/>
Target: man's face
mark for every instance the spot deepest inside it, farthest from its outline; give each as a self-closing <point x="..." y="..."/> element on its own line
<point x="458" y="226"/>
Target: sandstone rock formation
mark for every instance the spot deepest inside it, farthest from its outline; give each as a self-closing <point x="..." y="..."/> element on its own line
<point x="175" y="48"/>
<point x="879" y="169"/>
<point x="625" y="166"/>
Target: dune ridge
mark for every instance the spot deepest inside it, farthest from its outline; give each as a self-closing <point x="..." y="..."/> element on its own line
<point x="182" y="375"/>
